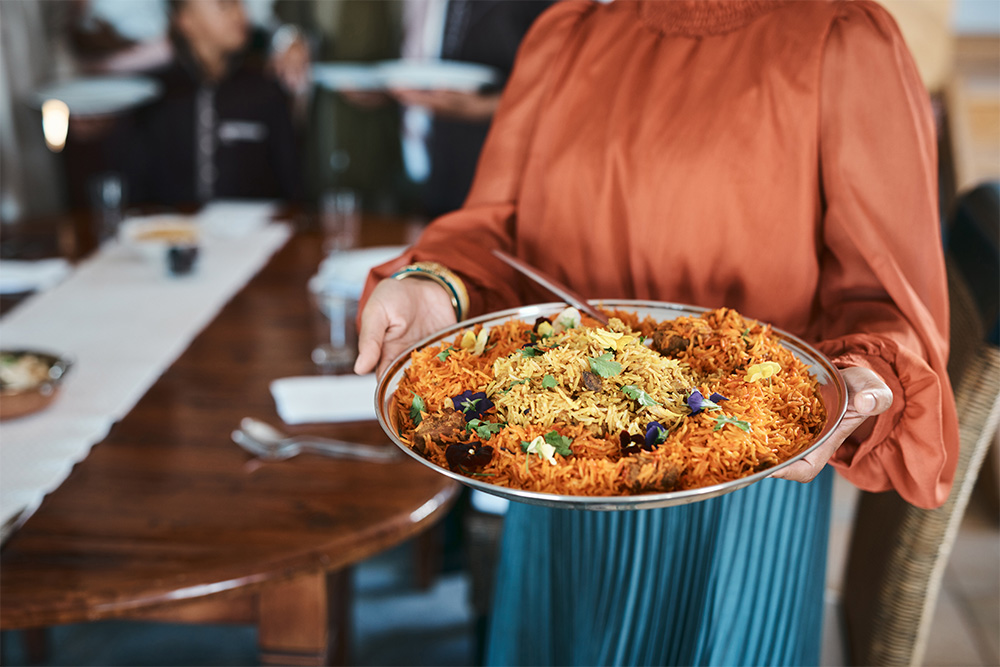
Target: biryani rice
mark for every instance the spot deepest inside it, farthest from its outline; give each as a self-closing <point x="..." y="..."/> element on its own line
<point x="709" y="353"/>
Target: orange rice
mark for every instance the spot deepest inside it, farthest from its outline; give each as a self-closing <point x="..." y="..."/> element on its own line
<point x="783" y="412"/>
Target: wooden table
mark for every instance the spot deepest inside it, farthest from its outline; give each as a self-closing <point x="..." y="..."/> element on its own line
<point x="167" y="519"/>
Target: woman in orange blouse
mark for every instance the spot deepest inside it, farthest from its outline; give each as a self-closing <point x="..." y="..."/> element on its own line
<point x="773" y="157"/>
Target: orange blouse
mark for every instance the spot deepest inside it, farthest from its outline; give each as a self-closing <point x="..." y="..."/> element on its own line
<point x="776" y="158"/>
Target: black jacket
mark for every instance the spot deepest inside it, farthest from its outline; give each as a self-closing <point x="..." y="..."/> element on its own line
<point x="233" y="139"/>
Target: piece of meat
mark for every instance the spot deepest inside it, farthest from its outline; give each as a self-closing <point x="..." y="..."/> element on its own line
<point x="668" y="344"/>
<point x="448" y="422"/>
<point x="664" y="478"/>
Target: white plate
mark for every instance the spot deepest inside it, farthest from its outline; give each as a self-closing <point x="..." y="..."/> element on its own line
<point x="436" y="75"/>
<point x="347" y="76"/>
<point x="832" y="390"/>
<point x="96" y="96"/>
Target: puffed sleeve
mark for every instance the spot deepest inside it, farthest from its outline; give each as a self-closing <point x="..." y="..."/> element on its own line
<point x="462" y="240"/>
<point x="884" y="298"/>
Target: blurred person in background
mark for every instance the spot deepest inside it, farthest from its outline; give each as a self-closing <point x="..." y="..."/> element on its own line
<point x="443" y="131"/>
<point x="253" y="67"/>
<point x="127" y="36"/>
<point x="222" y="127"/>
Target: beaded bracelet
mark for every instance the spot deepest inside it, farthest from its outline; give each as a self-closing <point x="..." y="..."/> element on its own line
<point x="444" y="277"/>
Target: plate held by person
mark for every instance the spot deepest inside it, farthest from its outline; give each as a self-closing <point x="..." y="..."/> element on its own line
<point x="347" y="76"/>
<point x="100" y="95"/>
<point x="832" y="389"/>
<point x="437" y="75"/>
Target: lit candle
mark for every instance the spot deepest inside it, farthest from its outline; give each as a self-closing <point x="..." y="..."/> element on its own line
<point x="55" y="124"/>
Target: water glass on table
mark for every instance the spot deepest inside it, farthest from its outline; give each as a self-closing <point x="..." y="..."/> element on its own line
<point x="337" y="307"/>
<point x="108" y="201"/>
<point x="340" y="219"/>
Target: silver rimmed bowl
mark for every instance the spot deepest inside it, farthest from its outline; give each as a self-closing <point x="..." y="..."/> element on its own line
<point x="833" y="392"/>
<point x="29" y="381"/>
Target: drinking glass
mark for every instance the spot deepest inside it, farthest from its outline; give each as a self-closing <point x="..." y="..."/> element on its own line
<point x="337" y="306"/>
<point x="340" y="217"/>
<point x="107" y="198"/>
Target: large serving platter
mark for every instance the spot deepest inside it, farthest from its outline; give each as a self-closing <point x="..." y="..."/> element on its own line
<point x="833" y="392"/>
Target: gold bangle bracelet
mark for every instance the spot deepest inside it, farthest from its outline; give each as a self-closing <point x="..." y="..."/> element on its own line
<point x="444" y="277"/>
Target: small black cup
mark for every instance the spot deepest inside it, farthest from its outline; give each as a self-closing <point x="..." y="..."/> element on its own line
<point x="182" y="259"/>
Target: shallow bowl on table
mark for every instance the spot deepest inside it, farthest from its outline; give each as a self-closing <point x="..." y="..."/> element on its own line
<point x="832" y="389"/>
<point x="25" y="398"/>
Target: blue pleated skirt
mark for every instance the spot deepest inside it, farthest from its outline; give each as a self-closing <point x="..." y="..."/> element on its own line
<point x="736" y="580"/>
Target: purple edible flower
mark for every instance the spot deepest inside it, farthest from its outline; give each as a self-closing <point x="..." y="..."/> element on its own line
<point x="656" y="434"/>
<point x="468" y="456"/>
<point x="695" y="401"/>
<point x="472" y="404"/>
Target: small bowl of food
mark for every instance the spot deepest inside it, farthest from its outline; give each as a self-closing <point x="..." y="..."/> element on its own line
<point x="29" y="381"/>
<point x="153" y="236"/>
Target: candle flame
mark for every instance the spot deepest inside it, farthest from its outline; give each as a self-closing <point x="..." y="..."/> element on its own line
<point x="55" y="124"/>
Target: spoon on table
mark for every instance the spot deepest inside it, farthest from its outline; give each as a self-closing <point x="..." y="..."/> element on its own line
<point x="266" y="442"/>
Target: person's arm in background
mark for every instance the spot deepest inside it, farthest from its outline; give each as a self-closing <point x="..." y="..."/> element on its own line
<point x="883" y="301"/>
<point x="462" y="240"/>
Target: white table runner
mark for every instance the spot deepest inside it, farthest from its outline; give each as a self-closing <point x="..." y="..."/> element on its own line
<point x="123" y="321"/>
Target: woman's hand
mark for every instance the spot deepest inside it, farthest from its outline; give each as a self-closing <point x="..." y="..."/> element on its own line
<point x="365" y="99"/>
<point x="398" y="314"/>
<point x="867" y="396"/>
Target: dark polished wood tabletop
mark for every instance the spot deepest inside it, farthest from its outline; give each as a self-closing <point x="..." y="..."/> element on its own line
<point x="168" y="519"/>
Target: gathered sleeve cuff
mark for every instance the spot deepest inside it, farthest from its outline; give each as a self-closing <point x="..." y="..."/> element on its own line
<point x="883" y="263"/>
<point x="899" y="435"/>
<point x="463" y="240"/>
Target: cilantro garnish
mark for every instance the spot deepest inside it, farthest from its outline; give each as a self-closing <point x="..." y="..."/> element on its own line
<point x="416" y="407"/>
<point x="604" y="366"/>
<point x="637" y="394"/>
<point x="549" y="382"/>
<point x="514" y="384"/>
<point x="560" y="442"/>
<point x="445" y="353"/>
<point x="485" y="430"/>
<point x="527" y="459"/>
<point x="722" y="420"/>
<point x="530" y="351"/>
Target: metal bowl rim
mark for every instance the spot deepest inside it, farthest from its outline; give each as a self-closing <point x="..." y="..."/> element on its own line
<point x="54" y="360"/>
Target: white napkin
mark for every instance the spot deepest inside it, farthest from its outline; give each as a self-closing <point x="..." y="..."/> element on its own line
<point x="325" y="398"/>
<point x="227" y="218"/>
<point x="21" y="276"/>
